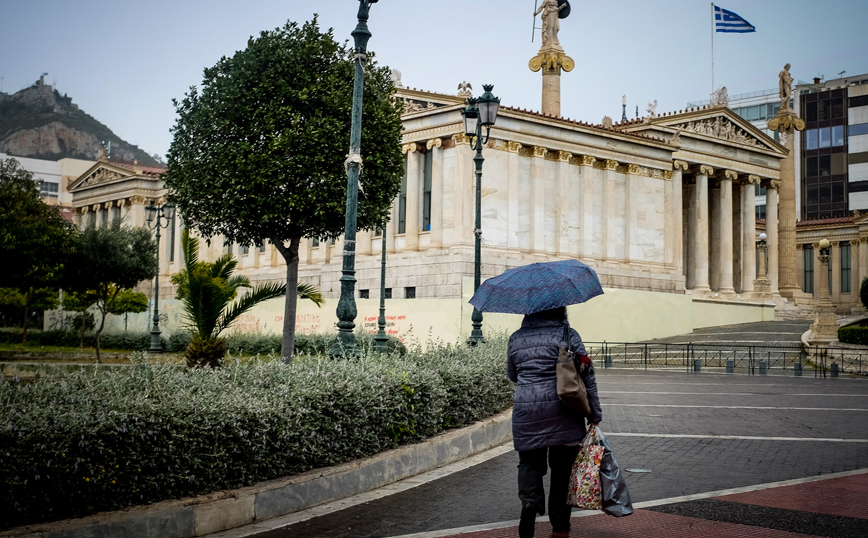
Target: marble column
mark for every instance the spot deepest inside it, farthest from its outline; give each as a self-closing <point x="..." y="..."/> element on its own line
<point x="855" y="269"/>
<point x="800" y="267"/>
<point x="513" y="181"/>
<point x="567" y="215"/>
<point x="609" y="211"/>
<point x="863" y="260"/>
<point x="674" y="242"/>
<point x="551" y="60"/>
<point x="714" y="244"/>
<point x="631" y="212"/>
<point x="726" y="282"/>
<point x="463" y="198"/>
<point x="772" y="232"/>
<point x="787" y="122"/>
<point x="835" y="266"/>
<point x="435" y="145"/>
<point x="748" y="234"/>
<point x="589" y="181"/>
<point x="819" y="269"/>
<point x="415" y="162"/>
<point x="689" y="233"/>
<point x="700" y="244"/>
<point x="538" y="197"/>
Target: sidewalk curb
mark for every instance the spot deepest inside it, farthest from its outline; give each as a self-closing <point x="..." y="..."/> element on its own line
<point x="224" y="510"/>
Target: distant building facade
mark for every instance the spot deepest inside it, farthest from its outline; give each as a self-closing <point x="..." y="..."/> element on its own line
<point x="53" y="177"/>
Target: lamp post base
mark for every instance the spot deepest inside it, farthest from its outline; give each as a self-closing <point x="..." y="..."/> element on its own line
<point x="156" y="342"/>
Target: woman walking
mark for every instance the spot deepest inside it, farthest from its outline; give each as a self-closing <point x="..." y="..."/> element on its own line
<point x="546" y="433"/>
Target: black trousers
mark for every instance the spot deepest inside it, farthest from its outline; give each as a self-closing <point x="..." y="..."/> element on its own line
<point x="531" y="470"/>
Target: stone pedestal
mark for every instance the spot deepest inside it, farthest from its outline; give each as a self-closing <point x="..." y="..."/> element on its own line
<point x="551" y="61"/>
<point x="825" y="326"/>
<point x="787" y="122"/>
<point x="762" y="286"/>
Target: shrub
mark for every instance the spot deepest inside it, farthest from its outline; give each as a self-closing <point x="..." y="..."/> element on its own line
<point x="83" y="443"/>
<point x="123" y="341"/>
<point x="853" y="335"/>
<point x="863" y="292"/>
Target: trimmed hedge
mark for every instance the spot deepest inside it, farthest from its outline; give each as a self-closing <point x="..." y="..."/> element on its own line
<point x="138" y="341"/>
<point x="89" y="442"/>
<point x="853" y="335"/>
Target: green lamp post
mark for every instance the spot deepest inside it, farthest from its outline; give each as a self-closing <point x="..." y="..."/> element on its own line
<point x="381" y="340"/>
<point x="345" y="344"/>
<point x="152" y="212"/>
<point x="480" y="112"/>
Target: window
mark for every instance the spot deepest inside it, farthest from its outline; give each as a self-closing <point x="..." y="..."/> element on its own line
<point x="837" y="108"/>
<point x="364" y="294"/>
<point x="227" y="247"/>
<point x="862" y="100"/>
<point x="378" y="232"/>
<point x="314" y="242"/>
<point x="811" y="111"/>
<point x="261" y="246"/>
<point x="837" y="135"/>
<point x="825" y="165"/>
<point x="426" y="192"/>
<point x="388" y="293"/>
<point x="845" y="267"/>
<point x="858" y="129"/>
<point x="760" y="211"/>
<point x="48" y="189"/>
<point x="402" y="201"/>
<point x="825" y="137"/>
<point x="410" y="292"/>
<point x="811" y="139"/>
<point x="824" y="110"/>
<point x="808" y="251"/>
<point x="812" y="167"/>
<point x="245" y="249"/>
<point x="759" y="191"/>
<point x="837" y="164"/>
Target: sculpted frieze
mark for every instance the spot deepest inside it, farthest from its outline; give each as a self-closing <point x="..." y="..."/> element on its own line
<point x="101" y="176"/>
<point x="412" y="106"/>
<point x="719" y="128"/>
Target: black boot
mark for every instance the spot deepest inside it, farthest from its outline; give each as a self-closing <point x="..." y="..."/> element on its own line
<point x="527" y="522"/>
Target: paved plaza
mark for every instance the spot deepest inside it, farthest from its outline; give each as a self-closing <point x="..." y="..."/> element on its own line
<point x="676" y="434"/>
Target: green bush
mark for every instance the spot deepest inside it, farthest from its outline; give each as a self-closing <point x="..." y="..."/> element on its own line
<point x="853" y="335"/>
<point x="82" y="443"/>
<point x="123" y="341"/>
<point x="863" y="292"/>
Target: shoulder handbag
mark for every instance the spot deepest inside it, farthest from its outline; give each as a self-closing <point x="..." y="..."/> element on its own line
<point x="571" y="388"/>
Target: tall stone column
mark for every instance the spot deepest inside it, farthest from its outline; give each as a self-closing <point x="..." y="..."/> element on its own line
<point x="863" y="261"/>
<point x="689" y="233"/>
<point x="512" y="204"/>
<point x="436" y="146"/>
<point x="538" y="197"/>
<point x="700" y="244"/>
<point x="463" y="197"/>
<point x="787" y="122"/>
<point x="748" y="234"/>
<point x="835" y="284"/>
<point x="725" y="246"/>
<point x="855" y="269"/>
<point x="675" y="232"/>
<point x="589" y="179"/>
<point x="610" y="232"/>
<point x="567" y="216"/>
<point x="551" y="62"/>
<point x="414" y="180"/>
<point x="772" y="233"/>
<point x="818" y="269"/>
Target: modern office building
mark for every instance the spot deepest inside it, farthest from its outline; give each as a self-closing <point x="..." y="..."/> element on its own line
<point x="53" y="177"/>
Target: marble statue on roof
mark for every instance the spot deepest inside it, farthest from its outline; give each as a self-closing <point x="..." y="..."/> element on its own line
<point x="550" y="23"/>
<point x="786" y="87"/>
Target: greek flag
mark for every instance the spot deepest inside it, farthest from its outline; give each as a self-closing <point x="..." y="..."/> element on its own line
<point x="729" y="22"/>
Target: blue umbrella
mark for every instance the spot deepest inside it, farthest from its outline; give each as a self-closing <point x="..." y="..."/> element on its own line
<point x="537" y="287"/>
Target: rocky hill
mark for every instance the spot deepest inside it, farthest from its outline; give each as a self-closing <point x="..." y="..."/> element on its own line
<point x="40" y="123"/>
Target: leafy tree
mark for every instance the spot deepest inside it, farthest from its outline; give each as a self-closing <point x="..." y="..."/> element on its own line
<point x="208" y="302"/>
<point x="304" y="290"/>
<point x="34" y="237"/>
<point x="255" y="154"/>
<point x="129" y="301"/>
<point x="863" y="292"/>
<point x="33" y="300"/>
<point x="108" y="260"/>
<point x="80" y="302"/>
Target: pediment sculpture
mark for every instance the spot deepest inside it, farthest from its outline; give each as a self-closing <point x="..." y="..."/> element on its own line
<point x="411" y="106"/>
<point x="719" y="128"/>
<point x="101" y="176"/>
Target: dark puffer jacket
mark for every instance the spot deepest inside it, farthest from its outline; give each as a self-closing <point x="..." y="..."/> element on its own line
<point x="539" y="419"/>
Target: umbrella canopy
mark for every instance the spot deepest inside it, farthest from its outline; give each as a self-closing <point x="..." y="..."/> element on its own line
<point x="537" y="287"/>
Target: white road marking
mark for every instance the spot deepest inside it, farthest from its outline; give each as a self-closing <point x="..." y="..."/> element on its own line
<point x="737" y="407"/>
<point x="737" y="437"/>
<point x="733" y="394"/>
<point x="646" y="504"/>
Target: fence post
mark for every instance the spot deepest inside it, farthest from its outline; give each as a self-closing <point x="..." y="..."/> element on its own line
<point x="646" y="357"/>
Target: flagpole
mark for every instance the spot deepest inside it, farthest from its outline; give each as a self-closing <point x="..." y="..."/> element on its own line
<point x="712" y="47"/>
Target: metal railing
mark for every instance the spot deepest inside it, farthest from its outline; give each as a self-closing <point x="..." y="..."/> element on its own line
<point x="732" y="358"/>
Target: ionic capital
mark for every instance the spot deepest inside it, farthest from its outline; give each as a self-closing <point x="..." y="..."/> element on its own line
<point x="108" y="205"/>
<point x="609" y="164"/>
<point x="679" y="165"/>
<point x="753" y="179"/>
<point x="799" y="246"/>
<point x="587" y="160"/>
<point x="634" y="169"/>
<point x="667" y="174"/>
<point x="409" y="148"/>
<point x="539" y="151"/>
<point x="512" y="147"/>
<point x="835" y="244"/>
<point x="773" y="184"/>
<point x="434" y="143"/>
<point x="460" y="138"/>
<point x="84" y="210"/>
<point x="121" y="203"/>
<point x="730" y="174"/>
<point x="564" y="156"/>
<point x="136" y="200"/>
<point x="706" y="170"/>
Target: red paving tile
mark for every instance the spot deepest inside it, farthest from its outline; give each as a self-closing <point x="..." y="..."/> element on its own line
<point x="646" y="524"/>
<point x="836" y="496"/>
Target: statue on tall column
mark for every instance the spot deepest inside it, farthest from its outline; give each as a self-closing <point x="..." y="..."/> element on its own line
<point x="552" y="10"/>
<point x="786" y="87"/>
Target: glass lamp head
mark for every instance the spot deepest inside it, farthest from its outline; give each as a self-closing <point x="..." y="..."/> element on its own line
<point x="150" y="212"/>
<point x="471" y="118"/>
<point x="488" y="105"/>
<point x="169" y="210"/>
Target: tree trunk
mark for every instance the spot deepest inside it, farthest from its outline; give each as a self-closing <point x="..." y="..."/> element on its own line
<point x="83" y="326"/>
<point x="289" y="254"/>
<point x="27" y="298"/>
<point x="102" y="311"/>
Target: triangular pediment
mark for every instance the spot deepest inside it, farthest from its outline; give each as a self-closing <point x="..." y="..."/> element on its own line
<point x="716" y="124"/>
<point x="100" y="173"/>
<point x="416" y="101"/>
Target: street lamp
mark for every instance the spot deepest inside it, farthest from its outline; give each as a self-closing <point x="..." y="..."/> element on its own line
<point x="345" y="344"/>
<point x="152" y="212"/>
<point x="480" y="112"/>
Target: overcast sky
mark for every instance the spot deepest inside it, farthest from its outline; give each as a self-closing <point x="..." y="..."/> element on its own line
<point x="124" y="62"/>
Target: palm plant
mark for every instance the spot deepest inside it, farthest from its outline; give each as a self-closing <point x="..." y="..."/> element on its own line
<point x="208" y="302"/>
